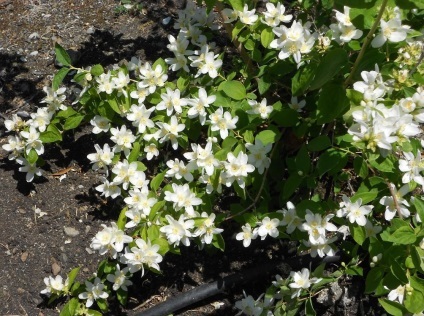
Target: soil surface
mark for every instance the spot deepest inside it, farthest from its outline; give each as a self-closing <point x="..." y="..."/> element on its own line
<point x="33" y="247"/>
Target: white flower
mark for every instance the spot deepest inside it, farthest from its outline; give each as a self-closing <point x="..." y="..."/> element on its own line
<point x="124" y="171"/>
<point x="105" y="83"/>
<point x="41" y="119"/>
<point x="152" y="78"/>
<point x="354" y="211"/>
<point x="257" y="155"/>
<point x="321" y="247"/>
<point x="121" y="81"/>
<point x="182" y="197"/>
<point x="143" y="254"/>
<point x="53" y="285"/>
<point x="290" y="218"/>
<point x="248" y="306"/>
<point x="247" y="235"/>
<point x="30" y="169"/>
<point x="372" y="87"/>
<point x="15" y="124"/>
<point x="123" y="139"/>
<point x="178" y="231"/>
<point x="397" y="294"/>
<point x="274" y="15"/>
<point x="54" y="99"/>
<point x="179" y="170"/>
<point x="268" y="227"/>
<point x="246" y="16"/>
<point x="229" y="15"/>
<point x="109" y="189"/>
<point x="412" y="167"/>
<point x="151" y="151"/>
<point x="32" y="141"/>
<point x="222" y="122"/>
<point x="316" y="226"/>
<point x="392" y="31"/>
<point x="139" y="199"/>
<point x="202" y="158"/>
<point x="102" y="157"/>
<point x="237" y="169"/>
<point x="371" y="230"/>
<point x="119" y="279"/>
<point x="389" y="202"/>
<point x="171" y="101"/>
<point x="135" y="216"/>
<point x="199" y="105"/>
<point x="15" y="146"/>
<point x="94" y="292"/>
<point x="100" y="123"/>
<point x="297" y="105"/>
<point x="140" y="94"/>
<point x="170" y="131"/>
<point x="207" y="228"/>
<point x="301" y="281"/>
<point x="260" y="108"/>
<point x="211" y="64"/>
<point x="140" y="116"/>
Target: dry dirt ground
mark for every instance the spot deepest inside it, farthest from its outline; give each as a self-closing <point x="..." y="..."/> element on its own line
<point x="31" y="247"/>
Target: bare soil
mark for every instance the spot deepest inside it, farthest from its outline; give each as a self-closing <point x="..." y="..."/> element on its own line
<point x="32" y="247"/>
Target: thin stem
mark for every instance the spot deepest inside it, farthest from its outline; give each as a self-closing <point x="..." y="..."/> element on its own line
<point x="368" y="40"/>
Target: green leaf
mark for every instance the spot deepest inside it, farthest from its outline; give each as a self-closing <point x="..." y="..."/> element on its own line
<point x="237" y="4"/>
<point x="263" y="84"/>
<point x="374" y="278"/>
<point x="157" y="181"/>
<point x="135" y="152"/>
<point x="248" y="137"/>
<point x="71" y="276"/>
<point x="329" y="67"/>
<point x="416" y="254"/>
<point x="319" y="143"/>
<point x="309" y="308"/>
<point x="330" y="160"/>
<point x="404" y="236"/>
<point x="58" y="78"/>
<point x="70" y="308"/>
<point x="365" y="196"/>
<point x="122" y="296"/>
<point x="291" y="184"/>
<point x="102" y="304"/>
<point x="398" y="271"/>
<point x="332" y="103"/>
<point x="153" y="232"/>
<point x="234" y="89"/>
<point x="303" y="78"/>
<point x="162" y="63"/>
<point x="267" y="37"/>
<point x="92" y="312"/>
<point x="414" y="302"/>
<point x="285" y="117"/>
<point x="66" y="113"/>
<point x="358" y="233"/>
<point x="73" y="122"/>
<point x="218" y="242"/>
<point x="51" y="135"/>
<point x="122" y="219"/>
<point x="268" y="136"/>
<point x="97" y="70"/>
<point x="32" y="156"/>
<point x="419" y="206"/>
<point x="302" y="160"/>
<point x="393" y="308"/>
<point x="360" y="167"/>
<point x="61" y="55"/>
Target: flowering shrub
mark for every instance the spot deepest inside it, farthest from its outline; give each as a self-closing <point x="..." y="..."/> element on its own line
<point x="312" y="119"/>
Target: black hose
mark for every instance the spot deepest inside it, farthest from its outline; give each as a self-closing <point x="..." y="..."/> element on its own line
<point x="204" y="291"/>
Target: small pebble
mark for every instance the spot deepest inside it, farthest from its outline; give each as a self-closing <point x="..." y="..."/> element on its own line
<point x="70" y="231"/>
<point x="55" y="268"/>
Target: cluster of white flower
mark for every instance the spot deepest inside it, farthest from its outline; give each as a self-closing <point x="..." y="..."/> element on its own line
<point x="391" y="30"/>
<point x="344" y="31"/>
<point x="314" y="224"/>
<point x="27" y="133"/>
<point x="379" y="126"/>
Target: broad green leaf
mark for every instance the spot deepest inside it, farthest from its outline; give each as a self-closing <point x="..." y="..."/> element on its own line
<point x="285" y="117"/>
<point x="329" y="67"/>
<point x="303" y="78"/>
<point x="358" y="233"/>
<point x="248" y="137"/>
<point x="266" y="37"/>
<point x="71" y="276"/>
<point x="419" y="206"/>
<point x="360" y="167"/>
<point x="291" y="184"/>
<point x="229" y="142"/>
<point x="267" y="137"/>
<point x="414" y="302"/>
<point x="218" y="242"/>
<point x="97" y="70"/>
<point x="162" y="63"/>
<point x="51" y="135"/>
<point x="398" y="271"/>
<point x="92" y="312"/>
<point x="157" y="181"/>
<point x="263" y="84"/>
<point x="70" y="308"/>
<point x="332" y="103"/>
<point x="135" y="152"/>
<point x="58" y="78"/>
<point x="122" y="219"/>
<point x="61" y="55"/>
<point x="330" y="160"/>
<point x="237" y="4"/>
<point x="319" y="143"/>
<point x="303" y="161"/>
<point x="309" y="308"/>
<point x="393" y="308"/>
<point x="122" y="296"/>
<point x="374" y="277"/>
<point x="66" y="113"/>
<point x="234" y="89"/>
<point x="73" y="122"/>
<point x="163" y="246"/>
<point x="32" y="156"/>
<point x="102" y="304"/>
<point x="153" y="232"/>
<point x="416" y="255"/>
<point x="366" y="197"/>
<point x="404" y="236"/>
